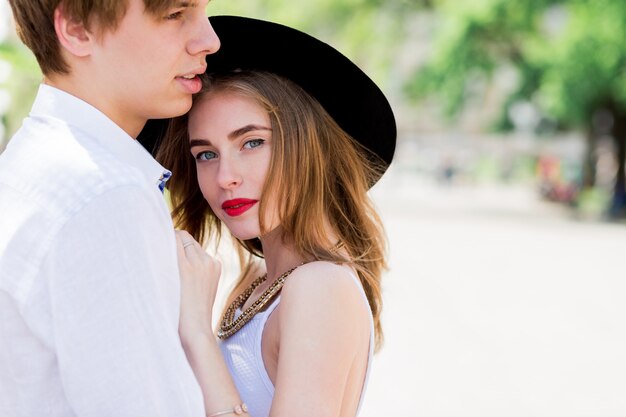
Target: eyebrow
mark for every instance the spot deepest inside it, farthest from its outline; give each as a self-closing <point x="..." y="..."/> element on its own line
<point x="231" y="136"/>
<point x="243" y="130"/>
<point x="185" y="3"/>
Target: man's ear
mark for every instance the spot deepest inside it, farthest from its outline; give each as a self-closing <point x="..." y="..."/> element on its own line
<point x="73" y="36"/>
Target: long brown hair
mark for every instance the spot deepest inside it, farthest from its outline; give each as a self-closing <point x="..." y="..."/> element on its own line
<point x="317" y="172"/>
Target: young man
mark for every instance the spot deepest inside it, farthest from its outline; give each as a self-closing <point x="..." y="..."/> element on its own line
<point x="89" y="283"/>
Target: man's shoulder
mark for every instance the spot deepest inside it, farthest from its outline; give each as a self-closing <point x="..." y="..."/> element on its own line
<point x="51" y="161"/>
<point x="48" y="177"/>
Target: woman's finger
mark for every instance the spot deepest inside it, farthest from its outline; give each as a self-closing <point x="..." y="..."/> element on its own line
<point x="187" y="247"/>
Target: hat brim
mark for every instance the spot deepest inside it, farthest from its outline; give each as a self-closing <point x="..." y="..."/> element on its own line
<point x="352" y="99"/>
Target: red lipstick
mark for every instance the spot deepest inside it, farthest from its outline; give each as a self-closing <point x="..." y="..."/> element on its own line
<point x="238" y="206"/>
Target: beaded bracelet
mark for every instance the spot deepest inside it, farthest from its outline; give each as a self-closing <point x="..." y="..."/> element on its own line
<point x="237" y="410"/>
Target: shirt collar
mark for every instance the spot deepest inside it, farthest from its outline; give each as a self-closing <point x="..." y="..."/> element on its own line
<point x="52" y="102"/>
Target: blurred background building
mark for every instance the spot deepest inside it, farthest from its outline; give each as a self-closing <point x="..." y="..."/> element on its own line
<point x="505" y="206"/>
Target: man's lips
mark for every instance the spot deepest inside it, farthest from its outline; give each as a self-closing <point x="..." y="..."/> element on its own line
<point x="190" y="81"/>
<point x="238" y="206"/>
<point x="194" y="72"/>
<point x="191" y="85"/>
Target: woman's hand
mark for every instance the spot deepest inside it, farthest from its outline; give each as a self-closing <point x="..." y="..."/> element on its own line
<point x="199" y="277"/>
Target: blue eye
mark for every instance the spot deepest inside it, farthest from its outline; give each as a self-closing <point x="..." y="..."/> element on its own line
<point x="254" y="143"/>
<point x="206" y="156"/>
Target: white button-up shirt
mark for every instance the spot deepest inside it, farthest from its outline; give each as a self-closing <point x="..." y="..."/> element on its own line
<point x="89" y="285"/>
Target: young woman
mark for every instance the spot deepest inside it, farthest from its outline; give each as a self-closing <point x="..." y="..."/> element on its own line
<point x="288" y="175"/>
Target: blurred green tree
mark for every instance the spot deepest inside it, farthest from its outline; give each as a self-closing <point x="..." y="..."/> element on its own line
<point x="569" y="58"/>
<point x="368" y="31"/>
<point x="21" y="85"/>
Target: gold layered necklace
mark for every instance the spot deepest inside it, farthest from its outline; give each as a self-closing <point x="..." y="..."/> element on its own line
<point x="230" y="325"/>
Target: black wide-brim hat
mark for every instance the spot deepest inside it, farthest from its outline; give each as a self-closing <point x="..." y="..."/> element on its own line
<point x="354" y="101"/>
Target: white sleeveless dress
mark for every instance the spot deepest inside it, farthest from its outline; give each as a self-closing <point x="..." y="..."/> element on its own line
<point x="243" y="355"/>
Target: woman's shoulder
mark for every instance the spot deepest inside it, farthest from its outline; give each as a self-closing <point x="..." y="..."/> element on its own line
<point x="323" y="274"/>
<point x="326" y="285"/>
<point x="324" y="301"/>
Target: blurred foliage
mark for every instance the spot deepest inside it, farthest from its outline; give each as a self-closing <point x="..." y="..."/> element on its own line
<point x="569" y="55"/>
<point x="585" y="65"/>
<point x="478" y="37"/>
<point x="22" y="84"/>
<point x="592" y="203"/>
<point x="365" y="30"/>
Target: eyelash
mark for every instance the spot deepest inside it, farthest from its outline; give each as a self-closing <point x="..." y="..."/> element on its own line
<point x="200" y="154"/>
<point x="258" y="141"/>
<point x="174" y="16"/>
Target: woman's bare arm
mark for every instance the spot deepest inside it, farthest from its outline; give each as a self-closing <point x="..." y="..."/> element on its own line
<point x="324" y="332"/>
<point x="200" y="275"/>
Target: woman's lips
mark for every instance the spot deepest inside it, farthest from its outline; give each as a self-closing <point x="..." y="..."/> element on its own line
<point x="238" y="206"/>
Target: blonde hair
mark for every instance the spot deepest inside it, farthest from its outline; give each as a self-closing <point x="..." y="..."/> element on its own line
<point x="317" y="172"/>
<point x="34" y="22"/>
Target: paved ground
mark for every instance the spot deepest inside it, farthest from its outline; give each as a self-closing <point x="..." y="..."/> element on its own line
<point x="497" y="304"/>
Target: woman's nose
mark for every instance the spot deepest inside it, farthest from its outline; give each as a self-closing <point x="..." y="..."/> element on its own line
<point x="228" y="176"/>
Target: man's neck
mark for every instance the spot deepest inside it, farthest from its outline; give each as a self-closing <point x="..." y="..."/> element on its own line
<point x="86" y="93"/>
